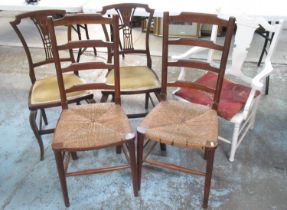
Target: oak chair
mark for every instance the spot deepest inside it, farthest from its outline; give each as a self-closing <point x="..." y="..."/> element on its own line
<point x="241" y="92"/>
<point x="90" y="126"/>
<point x="137" y="79"/>
<point x="186" y="125"/>
<point x="44" y="92"/>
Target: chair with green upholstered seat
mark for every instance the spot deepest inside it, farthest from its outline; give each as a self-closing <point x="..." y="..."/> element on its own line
<point x="44" y="92"/>
<point x="135" y="79"/>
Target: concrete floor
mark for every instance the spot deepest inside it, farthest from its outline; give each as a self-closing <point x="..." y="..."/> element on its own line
<point x="257" y="179"/>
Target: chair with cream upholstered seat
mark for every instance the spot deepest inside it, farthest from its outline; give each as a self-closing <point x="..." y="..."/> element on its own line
<point x="44" y="92"/>
<point x="135" y="79"/>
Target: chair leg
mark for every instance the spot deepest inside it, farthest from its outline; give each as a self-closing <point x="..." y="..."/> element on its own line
<point x="35" y="129"/>
<point x="80" y="38"/>
<point x="118" y="149"/>
<point x="133" y="166"/>
<point x="74" y="155"/>
<point x="44" y="116"/>
<point x="140" y="142"/>
<point x="62" y="177"/>
<point x="88" y="37"/>
<point x="104" y="97"/>
<point x="146" y="100"/>
<point x="267" y="85"/>
<point x="209" y="152"/>
<point x="234" y="142"/>
<point x="162" y="147"/>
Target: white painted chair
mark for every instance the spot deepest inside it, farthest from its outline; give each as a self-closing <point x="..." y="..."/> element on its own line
<point x="244" y="118"/>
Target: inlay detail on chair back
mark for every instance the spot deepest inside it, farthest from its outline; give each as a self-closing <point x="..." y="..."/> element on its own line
<point x="39" y="18"/>
<point x="126" y="12"/>
<point x="41" y="24"/>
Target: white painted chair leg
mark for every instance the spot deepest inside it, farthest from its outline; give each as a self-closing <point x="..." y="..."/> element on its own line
<point x="234" y="142"/>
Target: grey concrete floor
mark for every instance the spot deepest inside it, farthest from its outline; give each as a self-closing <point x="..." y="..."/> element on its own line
<point x="257" y="179"/>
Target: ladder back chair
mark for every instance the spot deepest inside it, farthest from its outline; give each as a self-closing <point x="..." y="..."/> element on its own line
<point x="135" y="79"/>
<point x="185" y="125"/>
<point x="44" y="91"/>
<point x="241" y="92"/>
<point x="95" y="126"/>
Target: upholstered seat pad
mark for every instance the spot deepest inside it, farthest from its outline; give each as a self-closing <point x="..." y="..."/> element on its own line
<point x="47" y="90"/>
<point x="134" y="78"/>
<point x="232" y="99"/>
<point x="181" y="124"/>
<point x="91" y="125"/>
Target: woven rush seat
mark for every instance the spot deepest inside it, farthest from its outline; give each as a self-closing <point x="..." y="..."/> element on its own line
<point x="135" y="78"/>
<point x="92" y="125"/>
<point x="181" y="124"/>
<point x="47" y="91"/>
<point x="232" y="99"/>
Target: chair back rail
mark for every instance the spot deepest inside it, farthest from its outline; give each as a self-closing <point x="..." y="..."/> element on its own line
<point x="93" y="19"/>
<point x="189" y="18"/>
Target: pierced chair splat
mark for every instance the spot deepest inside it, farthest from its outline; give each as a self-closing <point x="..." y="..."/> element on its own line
<point x="136" y="79"/>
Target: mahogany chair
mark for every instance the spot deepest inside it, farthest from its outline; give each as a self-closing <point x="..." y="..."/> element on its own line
<point x="241" y="91"/>
<point x="186" y="125"/>
<point x="95" y="126"/>
<point x="44" y="92"/>
<point x="137" y="79"/>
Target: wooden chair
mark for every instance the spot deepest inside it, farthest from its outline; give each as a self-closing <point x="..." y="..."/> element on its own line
<point x="241" y="93"/>
<point x="134" y="79"/>
<point x="90" y="126"/>
<point x="44" y="92"/>
<point x="186" y="125"/>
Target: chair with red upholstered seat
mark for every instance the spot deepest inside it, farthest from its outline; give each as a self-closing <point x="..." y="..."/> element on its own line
<point x="185" y="125"/>
<point x="240" y="97"/>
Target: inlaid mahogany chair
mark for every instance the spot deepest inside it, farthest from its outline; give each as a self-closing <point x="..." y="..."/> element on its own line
<point x="241" y="92"/>
<point x="44" y="92"/>
<point x="180" y="124"/>
<point x="88" y="127"/>
<point x="139" y="78"/>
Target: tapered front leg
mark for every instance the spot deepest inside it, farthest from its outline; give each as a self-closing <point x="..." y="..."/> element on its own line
<point x="62" y="177"/>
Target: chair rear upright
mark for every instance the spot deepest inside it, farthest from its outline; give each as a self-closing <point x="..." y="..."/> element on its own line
<point x="189" y="18"/>
<point x="126" y="12"/>
<point x="89" y="19"/>
<point x="39" y="18"/>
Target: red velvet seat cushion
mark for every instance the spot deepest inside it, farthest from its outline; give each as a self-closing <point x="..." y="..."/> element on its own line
<point x="232" y="99"/>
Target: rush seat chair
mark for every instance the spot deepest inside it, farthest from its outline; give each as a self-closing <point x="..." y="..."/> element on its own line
<point x="180" y="124"/>
<point x="89" y="127"/>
